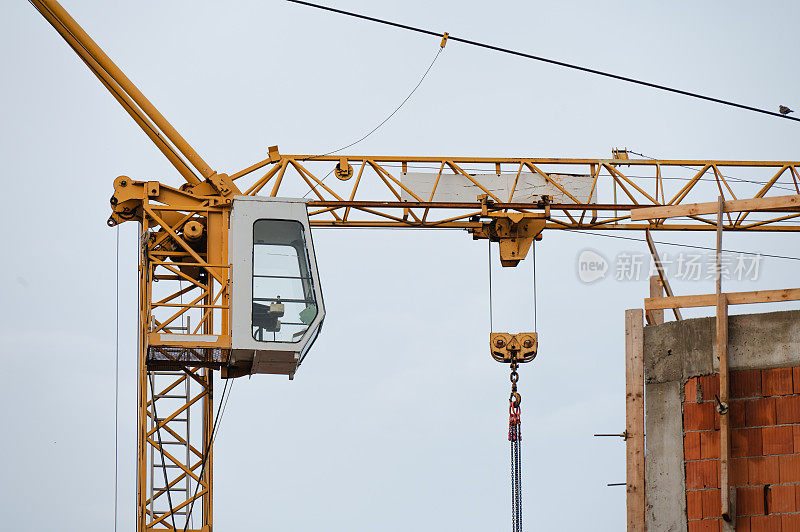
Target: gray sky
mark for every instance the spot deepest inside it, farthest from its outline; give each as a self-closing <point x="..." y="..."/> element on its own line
<point x="398" y="418"/>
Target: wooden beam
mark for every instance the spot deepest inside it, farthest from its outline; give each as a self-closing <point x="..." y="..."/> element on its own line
<point x="661" y="274"/>
<point x="718" y="254"/>
<point x="734" y="298"/>
<point x="655" y="316"/>
<point x="634" y="419"/>
<point x="723" y="407"/>
<point x="692" y="209"/>
<point x="724" y="377"/>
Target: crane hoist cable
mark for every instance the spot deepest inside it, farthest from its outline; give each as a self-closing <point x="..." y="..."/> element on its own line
<point x="535" y="312"/>
<point x="491" y="319"/>
<point x="514" y="350"/>
<point x="515" y="437"/>
<point x="116" y="390"/>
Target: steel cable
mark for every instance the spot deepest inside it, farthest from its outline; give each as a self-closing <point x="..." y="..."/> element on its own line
<point x="376" y="128"/>
<point x="223" y="402"/>
<point x="116" y="391"/>
<point x="552" y="61"/>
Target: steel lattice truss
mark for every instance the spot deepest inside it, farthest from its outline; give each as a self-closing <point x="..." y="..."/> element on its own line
<point x="376" y="196"/>
<point x="178" y="479"/>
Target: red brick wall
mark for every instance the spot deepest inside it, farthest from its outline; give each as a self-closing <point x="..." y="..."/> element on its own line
<point x="765" y="450"/>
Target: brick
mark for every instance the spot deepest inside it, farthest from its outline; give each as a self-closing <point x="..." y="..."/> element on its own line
<point x="746" y="383"/>
<point x="750" y="500"/>
<point x="787" y="409"/>
<point x="746" y="442"/>
<point x="742" y="524"/>
<point x="690" y="390"/>
<point x="789" y="468"/>
<point x="790" y="523"/>
<point x="706" y="525"/>
<point x="777" y="440"/>
<point x="703" y="474"/>
<point x="691" y="446"/>
<point x="760" y="412"/>
<point x="763" y="470"/>
<point x="796" y="380"/>
<point x="781" y="499"/>
<point x="711" y="503"/>
<point x="765" y="523"/>
<point x="694" y="505"/>
<point x="700" y="416"/>
<point x="709" y="387"/>
<point x="709" y="444"/>
<point x="737" y="414"/>
<point x="738" y="472"/>
<point x="776" y="381"/>
<point x="796" y="496"/>
<point x="796" y="438"/>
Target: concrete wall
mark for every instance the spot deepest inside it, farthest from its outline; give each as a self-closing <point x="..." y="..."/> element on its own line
<point x="674" y="353"/>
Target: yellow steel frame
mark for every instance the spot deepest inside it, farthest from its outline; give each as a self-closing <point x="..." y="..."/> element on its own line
<point x="183" y="293"/>
<point x="184" y="283"/>
<point x="639" y="183"/>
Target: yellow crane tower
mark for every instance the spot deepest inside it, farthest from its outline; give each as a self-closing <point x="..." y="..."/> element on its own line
<point x="227" y="272"/>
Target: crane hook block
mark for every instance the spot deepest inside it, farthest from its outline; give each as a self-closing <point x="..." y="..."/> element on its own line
<point x="513" y="348"/>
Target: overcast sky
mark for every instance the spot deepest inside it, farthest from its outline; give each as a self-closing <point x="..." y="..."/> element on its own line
<point x="398" y="418"/>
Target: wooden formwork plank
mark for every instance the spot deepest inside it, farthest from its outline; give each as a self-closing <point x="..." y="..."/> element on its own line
<point x="655" y="316"/>
<point x="634" y="419"/>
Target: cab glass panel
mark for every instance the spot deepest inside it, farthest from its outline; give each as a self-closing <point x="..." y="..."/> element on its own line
<point x="284" y="304"/>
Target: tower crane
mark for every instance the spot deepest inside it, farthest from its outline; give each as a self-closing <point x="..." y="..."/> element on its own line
<point x="228" y="278"/>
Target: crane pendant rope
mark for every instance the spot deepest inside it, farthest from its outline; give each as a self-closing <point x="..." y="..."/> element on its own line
<point x="515" y="437"/>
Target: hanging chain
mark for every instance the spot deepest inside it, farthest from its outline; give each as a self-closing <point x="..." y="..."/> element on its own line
<point x="515" y="437"/>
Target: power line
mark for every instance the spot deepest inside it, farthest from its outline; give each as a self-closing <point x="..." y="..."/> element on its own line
<point x="684" y="245"/>
<point x="551" y="61"/>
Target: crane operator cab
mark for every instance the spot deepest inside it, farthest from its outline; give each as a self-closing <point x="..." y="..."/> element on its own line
<point x="276" y="302"/>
